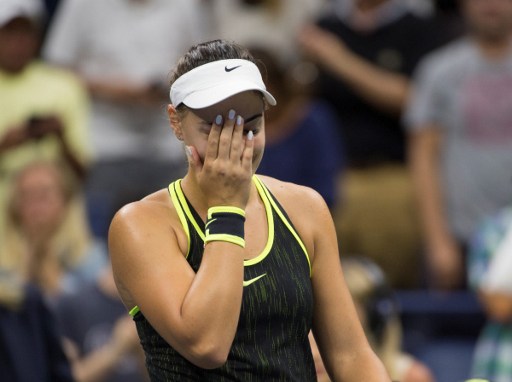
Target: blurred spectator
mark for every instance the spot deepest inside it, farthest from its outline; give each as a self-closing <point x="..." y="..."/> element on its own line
<point x="46" y="239"/>
<point x="490" y="270"/>
<point x="380" y="318"/>
<point x="273" y="24"/>
<point x="101" y="338"/>
<point x="123" y="50"/>
<point x="30" y="343"/>
<point x="367" y="49"/>
<point x="43" y="109"/>
<point x="460" y="120"/>
<point x="301" y="132"/>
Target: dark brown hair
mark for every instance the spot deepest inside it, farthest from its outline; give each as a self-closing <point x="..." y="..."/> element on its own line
<point x="206" y="52"/>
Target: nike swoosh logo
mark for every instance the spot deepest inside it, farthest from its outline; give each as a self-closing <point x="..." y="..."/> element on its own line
<point x="249" y="282"/>
<point x="231" y="69"/>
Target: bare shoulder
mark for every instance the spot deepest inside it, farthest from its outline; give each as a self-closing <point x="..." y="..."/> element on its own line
<point x="297" y="200"/>
<point x="150" y="219"/>
<point x="154" y="209"/>
<point x="144" y="237"/>
<point x="306" y="209"/>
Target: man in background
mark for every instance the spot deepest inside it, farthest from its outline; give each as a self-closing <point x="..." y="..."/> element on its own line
<point x="460" y="124"/>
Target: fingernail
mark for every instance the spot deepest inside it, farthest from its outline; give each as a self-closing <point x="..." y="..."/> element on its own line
<point x="188" y="151"/>
<point x="218" y="120"/>
<point x="250" y="135"/>
<point x="239" y="120"/>
<point x="231" y="114"/>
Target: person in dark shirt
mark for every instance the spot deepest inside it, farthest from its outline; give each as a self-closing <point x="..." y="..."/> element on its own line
<point x="366" y="52"/>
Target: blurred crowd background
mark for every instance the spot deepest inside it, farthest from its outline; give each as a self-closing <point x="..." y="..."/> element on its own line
<point x="398" y="112"/>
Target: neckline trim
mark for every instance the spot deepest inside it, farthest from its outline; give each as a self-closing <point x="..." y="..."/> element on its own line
<point x="185" y="210"/>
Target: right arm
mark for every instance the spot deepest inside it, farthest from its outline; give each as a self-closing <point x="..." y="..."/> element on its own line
<point x="443" y="256"/>
<point x="196" y="313"/>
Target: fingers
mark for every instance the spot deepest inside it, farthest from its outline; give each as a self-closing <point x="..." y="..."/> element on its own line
<point x="237" y="143"/>
<point x="226" y="139"/>
<point x="226" y="136"/>
<point x="212" y="148"/>
<point x="226" y="171"/>
<point x="248" y="153"/>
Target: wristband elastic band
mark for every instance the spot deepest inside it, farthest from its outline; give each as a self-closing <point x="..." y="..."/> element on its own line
<point x="229" y="209"/>
<point x="225" y="223"/>
<point x="227" y="238"/>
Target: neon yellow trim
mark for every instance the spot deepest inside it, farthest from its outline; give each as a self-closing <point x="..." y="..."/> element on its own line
<point x="133" y="311"/>
<point x="270" y="225"/>
<point x="225" y="237"/>
<point x="230" y="209"/>
<point x="268" y="211"/>
<point x="287" y="223"/>
<point x="184" y="203"/>
<point x="177" y="206"/>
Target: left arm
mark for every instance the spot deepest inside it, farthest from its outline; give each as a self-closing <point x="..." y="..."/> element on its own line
<point x="345" y="350"/>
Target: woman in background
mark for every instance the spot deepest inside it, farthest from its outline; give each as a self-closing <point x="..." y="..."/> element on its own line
<point x="47" y="239"/>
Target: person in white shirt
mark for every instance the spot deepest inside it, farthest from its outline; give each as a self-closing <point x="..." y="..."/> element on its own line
<point x="122" y="49"/>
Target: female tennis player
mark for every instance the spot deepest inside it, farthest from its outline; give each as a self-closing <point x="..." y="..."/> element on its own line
<point x="225" y="272"/>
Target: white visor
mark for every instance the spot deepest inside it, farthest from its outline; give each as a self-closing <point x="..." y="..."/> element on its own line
<point x="215" y="81"/>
